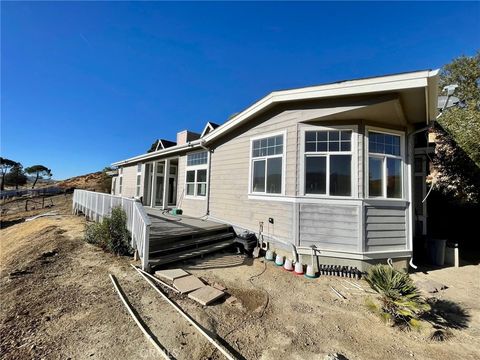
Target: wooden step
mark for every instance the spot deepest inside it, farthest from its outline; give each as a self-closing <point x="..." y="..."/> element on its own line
<point x="159" y="247"/>
<point x="183" y="255"/>
<point x="175" y="236"/>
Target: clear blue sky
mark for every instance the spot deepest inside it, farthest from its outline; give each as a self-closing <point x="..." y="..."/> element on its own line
<point x="86" y="84"/>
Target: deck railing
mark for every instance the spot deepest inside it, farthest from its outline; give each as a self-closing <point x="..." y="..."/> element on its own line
<point x="96" y="206"/>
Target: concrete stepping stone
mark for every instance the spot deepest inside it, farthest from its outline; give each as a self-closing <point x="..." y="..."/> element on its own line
<point x="206" y="295"/>
<point x="171" y="274"/>
<point x="188" y="284"/>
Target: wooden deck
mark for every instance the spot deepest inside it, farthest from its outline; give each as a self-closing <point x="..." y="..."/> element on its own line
<point x="178" y="237"/>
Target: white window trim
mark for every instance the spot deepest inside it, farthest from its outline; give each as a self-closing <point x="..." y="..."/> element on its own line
<point x="195" y="168"/>
<point x="405" y="181"/>
<point x="354" y="165"/>
<point x="138" y="187"/>
<point x="252" y="159"/>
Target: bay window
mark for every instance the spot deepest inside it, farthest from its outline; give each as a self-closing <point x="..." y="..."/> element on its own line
<point x="328" y="162"/>
<point x="385" y="159"/>
<point x="196" y="174"/>
<point x="267" y="165"/>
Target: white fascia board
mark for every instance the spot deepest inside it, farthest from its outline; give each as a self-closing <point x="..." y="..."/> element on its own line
<point x="168" y="151"/>
<point x="354" y="87"/>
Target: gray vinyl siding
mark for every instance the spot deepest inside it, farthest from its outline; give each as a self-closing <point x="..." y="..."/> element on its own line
<point x="191" y="207"/>
<point x="229" y="199"/>
<point x="129" y="181"/>
<point x="385" y="228"/>
<point x="329" y="227"/>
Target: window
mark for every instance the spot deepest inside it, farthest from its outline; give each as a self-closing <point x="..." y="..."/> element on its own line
<point x="120" y="180"/>
<point x="139" y="180"/>
<point x="385" y="163"/>
<point x="114" y="184"/>
<point x="196" y="174"/>
<point x="267" y="165"/>
<point x="199" y="158"/>
<point x="328" y="162"/>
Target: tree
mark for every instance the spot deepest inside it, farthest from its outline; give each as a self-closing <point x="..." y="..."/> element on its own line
<point x="106" y="182"/>
<point x="5" y="166"/>
<point x="39" y="171"/>
<point x="16" y="176"/>
<point x="456" y="165"/>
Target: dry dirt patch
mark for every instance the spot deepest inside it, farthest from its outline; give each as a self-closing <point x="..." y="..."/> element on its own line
<point x="58" y="302"/>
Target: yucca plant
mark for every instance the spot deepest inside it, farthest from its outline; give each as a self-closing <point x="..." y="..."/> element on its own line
<point x="400" y="301"/>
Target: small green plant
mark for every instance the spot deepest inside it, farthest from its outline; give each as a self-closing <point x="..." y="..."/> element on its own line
<point x="400" y="301"/>
<point x="111" y="234"/>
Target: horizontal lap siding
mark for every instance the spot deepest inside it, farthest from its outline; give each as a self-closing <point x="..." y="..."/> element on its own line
<point x="129" y="182"/>
<point x="190" y="207"/>
<point x="229" y="180"/>
<point x="385" y="228"/>
<point x="329" y="227"/>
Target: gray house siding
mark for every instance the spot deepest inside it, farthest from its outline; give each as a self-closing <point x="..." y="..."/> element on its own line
<point x="329" y="227"/>
<point x="385" y="228"/>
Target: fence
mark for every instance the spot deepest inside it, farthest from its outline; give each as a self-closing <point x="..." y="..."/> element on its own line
<point x="98" y="205"/>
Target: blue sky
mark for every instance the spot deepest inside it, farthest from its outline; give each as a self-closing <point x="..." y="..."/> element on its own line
<point x="84" y="84"/>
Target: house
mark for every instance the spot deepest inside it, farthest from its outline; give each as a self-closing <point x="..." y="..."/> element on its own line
<point x="328" y="165"/>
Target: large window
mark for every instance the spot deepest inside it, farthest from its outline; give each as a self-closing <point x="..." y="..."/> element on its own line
<point x="328" y="162"/>
<point x="384" y="165"/>
<point x="267" y="165"/>
<point x="196" y="174"/>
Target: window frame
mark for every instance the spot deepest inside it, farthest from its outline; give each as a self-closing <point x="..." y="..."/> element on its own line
<point x="252" y="159"/>
<point x="353" y="167"/>
<point x="196" y="168"/>
<point x="138" y="184"/>
<point x="384" y="157"/>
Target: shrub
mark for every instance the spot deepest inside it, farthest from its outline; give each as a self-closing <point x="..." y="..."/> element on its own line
<point x="400" y="301"/>
<point x="111" y="234"/>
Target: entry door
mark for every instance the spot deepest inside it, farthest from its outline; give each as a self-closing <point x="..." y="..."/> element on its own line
<point x="158" y="200"/>
<point x="172" y="185"/>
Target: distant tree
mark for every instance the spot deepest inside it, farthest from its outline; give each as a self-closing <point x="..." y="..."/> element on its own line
<point x="106" y="184"/>
<point x="16" y="176"/>
<point x="5" y="166"/>
<point x="39" y="171"/>
<point x="456" y="165"/>
<point x="153" y="147"/>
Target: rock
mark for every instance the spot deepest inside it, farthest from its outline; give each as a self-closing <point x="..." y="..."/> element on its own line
<point x="231" y="300"/>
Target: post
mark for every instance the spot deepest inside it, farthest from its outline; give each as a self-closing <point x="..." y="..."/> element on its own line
<point x="166" y="176"/>
<point x="146" y="248"/>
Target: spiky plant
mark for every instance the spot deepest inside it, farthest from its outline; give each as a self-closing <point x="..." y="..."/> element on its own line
<point x="400" y="300"/>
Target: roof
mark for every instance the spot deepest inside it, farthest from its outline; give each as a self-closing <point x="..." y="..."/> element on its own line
<point x="386" y="83"/>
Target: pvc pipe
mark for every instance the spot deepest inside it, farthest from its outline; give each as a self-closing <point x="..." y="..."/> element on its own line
<point x="137" y="321"/>
<point x="189" y="319"/>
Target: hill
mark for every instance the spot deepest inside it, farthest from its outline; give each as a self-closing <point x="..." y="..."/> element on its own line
<point x="97" y="181"/>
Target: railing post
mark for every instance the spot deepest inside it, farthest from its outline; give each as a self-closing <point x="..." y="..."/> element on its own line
<point x="146" y="248"/>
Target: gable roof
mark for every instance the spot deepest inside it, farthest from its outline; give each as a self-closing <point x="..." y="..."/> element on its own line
<point x="209" y="127"/>
<point x="389" y="83"/>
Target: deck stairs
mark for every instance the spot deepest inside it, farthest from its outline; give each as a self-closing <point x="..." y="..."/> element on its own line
<point x="177" y="244"/>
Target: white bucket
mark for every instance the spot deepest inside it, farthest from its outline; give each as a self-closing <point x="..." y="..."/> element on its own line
<point x="310" y="272"/>
<point x="279" y="260"/>
<point x="288" y="265"/>
<point x="269" y="255"/>
<point x="298" y="268"/>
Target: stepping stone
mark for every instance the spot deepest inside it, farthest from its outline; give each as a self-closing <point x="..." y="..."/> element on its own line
<point x="188" y="284"/>
<point x="171" y="274"/>
<point x="206" y="295"/>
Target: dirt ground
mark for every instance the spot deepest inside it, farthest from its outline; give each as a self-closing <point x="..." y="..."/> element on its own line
<point x="57" y="302"/>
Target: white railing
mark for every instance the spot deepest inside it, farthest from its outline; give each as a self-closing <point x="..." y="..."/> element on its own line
<point x="96" y="206"/>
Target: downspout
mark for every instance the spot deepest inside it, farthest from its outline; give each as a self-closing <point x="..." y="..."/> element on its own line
<point x="411" y="157"/>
